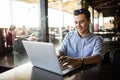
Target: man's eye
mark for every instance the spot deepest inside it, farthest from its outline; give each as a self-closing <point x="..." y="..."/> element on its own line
<point x="82" y="21"/>
<point x="75" y="22"/>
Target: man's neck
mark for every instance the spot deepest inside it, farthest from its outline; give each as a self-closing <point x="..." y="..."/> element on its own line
<point x="83" y="34"/>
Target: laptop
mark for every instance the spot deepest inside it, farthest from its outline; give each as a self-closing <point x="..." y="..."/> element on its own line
<point x="43" y="55"/>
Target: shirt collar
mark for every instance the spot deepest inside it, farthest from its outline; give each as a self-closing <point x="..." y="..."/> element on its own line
<point x="85" y="35"/>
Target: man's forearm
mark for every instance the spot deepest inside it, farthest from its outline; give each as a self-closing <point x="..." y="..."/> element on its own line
<point x="92" y="59"/>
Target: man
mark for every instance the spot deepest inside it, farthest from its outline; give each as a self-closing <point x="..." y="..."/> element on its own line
<point x="81" y="47"/>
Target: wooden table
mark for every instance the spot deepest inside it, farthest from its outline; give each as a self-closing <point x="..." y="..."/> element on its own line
<point x="90" y="72"/>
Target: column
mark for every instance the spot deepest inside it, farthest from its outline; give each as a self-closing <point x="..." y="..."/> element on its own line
<point x="44" y="31"/>
<point x="101" y="21"/>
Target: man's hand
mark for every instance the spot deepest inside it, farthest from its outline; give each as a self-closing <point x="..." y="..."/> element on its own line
<point x="68" y="61"/>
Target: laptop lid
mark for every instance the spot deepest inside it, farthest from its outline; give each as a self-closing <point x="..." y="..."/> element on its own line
<point x="43" y="55"/>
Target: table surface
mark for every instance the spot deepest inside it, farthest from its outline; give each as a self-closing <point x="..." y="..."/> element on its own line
<point x="90" y="72"/>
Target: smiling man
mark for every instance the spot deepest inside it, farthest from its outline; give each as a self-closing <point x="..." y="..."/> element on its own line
<point x="81" y="47"/>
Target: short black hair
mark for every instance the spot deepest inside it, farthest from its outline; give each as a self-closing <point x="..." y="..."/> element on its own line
<point x="82" y="11"/>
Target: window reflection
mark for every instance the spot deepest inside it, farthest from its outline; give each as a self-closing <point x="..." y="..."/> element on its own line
<point x="26" y="17"/>
<point x="60" y="19"/>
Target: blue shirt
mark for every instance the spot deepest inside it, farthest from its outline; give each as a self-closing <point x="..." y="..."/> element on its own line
<point x="75" y="46"/>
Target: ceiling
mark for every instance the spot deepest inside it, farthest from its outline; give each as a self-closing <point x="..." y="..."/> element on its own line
<point x="107" y="7"/>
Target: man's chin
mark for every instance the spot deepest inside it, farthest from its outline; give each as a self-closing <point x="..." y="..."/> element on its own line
<point x="80" y="31"/>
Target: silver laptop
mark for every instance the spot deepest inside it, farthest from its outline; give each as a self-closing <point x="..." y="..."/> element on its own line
<point x="43" y="55"/>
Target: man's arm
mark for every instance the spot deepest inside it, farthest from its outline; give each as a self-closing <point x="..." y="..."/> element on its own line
<point x="95" y="59"/>
<point x="65" y="60"/>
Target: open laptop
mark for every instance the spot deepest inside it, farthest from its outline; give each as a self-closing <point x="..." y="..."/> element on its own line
<point x="43" y="55"/>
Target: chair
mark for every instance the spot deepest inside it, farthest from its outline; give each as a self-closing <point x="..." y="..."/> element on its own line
<point x="115" y="58"/>
<point x="106" y="60"/>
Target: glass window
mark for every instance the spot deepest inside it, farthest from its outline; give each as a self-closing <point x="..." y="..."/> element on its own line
<point x="60" y="19"/>
<point x="25" y="17"/>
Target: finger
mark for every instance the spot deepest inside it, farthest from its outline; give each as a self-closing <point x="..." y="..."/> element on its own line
<point x="62" y="62"/>
<point x="61" y="58"/>
<point x="65" y="64"/>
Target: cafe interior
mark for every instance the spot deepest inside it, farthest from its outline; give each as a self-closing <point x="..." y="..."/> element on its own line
<point x="49" y="21"/>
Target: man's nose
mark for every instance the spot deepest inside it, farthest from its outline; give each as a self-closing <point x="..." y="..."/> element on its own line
<point x="78" y="25"/>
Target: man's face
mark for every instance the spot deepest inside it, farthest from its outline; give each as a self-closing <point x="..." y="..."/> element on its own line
<point x="82" y="24"/>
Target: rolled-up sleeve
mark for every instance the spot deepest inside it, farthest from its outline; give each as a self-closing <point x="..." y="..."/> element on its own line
<point x="63" y="47"/>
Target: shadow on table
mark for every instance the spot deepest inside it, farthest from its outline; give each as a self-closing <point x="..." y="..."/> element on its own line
<point x="40" y="74"/>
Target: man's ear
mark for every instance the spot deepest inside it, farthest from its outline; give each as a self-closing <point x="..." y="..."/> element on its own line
<point x="89" y="21"/>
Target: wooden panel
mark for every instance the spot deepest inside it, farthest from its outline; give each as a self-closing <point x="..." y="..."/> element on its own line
<point x="2" y="46"/>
